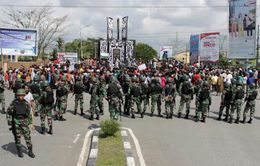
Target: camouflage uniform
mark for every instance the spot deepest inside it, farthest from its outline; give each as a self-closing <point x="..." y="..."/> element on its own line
<point x="19" y="118"/>
<point x="236" y="102"/>
<point x="197" y="88"/>
<point x="94" y="100"/>
<point x="78" y="91"/>
<point x="186" y="93"/>
<point x="226" y="98"/>
<point x="47" y="101"/>
<point x="145" y="96"/>
<point x="61" y="98"/>
<point x="114" y="96"/>
<point x="156" y="92"/>
<point x="250" y="103"/>
<point x="126" y="88"/>
<point x="2" y="95"/>
<point x="204" y="99"/>
<point x="135" y="92"/>
<point x="36" y="92"/>
<point x="170" y="94"/>
<point x="101" y="94"/>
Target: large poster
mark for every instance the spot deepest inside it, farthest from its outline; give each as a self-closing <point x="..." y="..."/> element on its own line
<point x="124" y="27"/>
<point x="165" y="52"/>
<point x="109" y="28"/>
<point x="209" y="46"/>
<point x="22" y="42"/>
<point x="242" y="16"/>
<point x="194" y="48"/>
<point x="71" y="56"/>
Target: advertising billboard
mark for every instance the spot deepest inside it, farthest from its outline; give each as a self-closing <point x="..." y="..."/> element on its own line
<point x="242" y="29"/>
<point x="71" y="56"/>
<point x="22" y="42"/>
<point x="209" y="46"/>
<point x="165" y="52"/>
<point x="194" y="48"/>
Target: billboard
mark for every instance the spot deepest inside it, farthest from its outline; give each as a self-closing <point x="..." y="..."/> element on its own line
<point x="194" y="48"/>
<point x="209" y="46"/>
<point x="165" y="52"/>
<point x="242" y="16"/>
<point x="22" y="42"/>
<point x="71" y="56"/>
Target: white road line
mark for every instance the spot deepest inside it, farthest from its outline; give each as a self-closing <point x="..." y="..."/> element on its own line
<point x="83" y="155"/>
<point x="138" y="149"/>
<point x="130" y="161"/>
<point x="127" y="145"/>
<point x="76" y="139"/>
<point x="95" y="139"/>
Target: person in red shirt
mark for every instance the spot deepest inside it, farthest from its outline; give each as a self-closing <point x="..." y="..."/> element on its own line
<point x="196" y="77"/>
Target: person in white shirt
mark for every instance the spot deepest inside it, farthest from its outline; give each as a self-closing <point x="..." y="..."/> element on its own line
<point x="29" y="98"/>
<point x="229" y="78"/>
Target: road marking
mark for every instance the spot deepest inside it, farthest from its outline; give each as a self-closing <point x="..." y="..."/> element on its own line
<point x="83" y="155"/>
<point x="76" y="139"/>
<point x="124" y="133"/>
<point x="127" y="145"/>
<point x="137" y="146"/>
<point x="130" y="161"/>
<point x="93" y="153"/>
<point x="95" y="139"/>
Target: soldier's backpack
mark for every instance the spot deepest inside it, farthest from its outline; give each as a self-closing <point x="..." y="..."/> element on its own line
<point x="145" y="90"/>
<point x="240" y="94"/>
<point x="135" y="91"/>
<point x="20" y="109"/>
<point x="35" y="89"/>
<point x="113" y="90"/>
<point x="228" y="95"/>
<point x="156" y="89"/>
<point x="78" y="88"/>
<point x="125" y="87"/>
<point x="186" y="88"/>
<point x="253" y="96"/>
<point x="49" y="98"/>
<point x="204" y="94"/>
<point x="61" y="91"/>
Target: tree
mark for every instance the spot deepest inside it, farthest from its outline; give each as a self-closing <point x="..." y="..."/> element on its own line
<point x="49" y="28"/>
<point x="144" y="52"/>
<point x="60" y="44"/>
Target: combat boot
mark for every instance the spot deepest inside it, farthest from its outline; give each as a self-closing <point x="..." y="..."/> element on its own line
<point x="81" y="112"/>
<point x="179" y="115"/>
<point x="244" y="120"/>
<point x="219" y="117"/>
<point x="62" y="119"/>
<point x="97" y="117"/>
<point x="203" y="120"/>
<point x="30" y="153"/>
<point x="152" y="114"/>
<point x="226" y="118"/>
<point x="250" y="121"/>
<point x="56" y="117"/>
<point x="167" y="116"/>
<point x="43" y="130"/>
<point x="231" y="120"/>
<point x="3" y="111"/>
<point x="91" y="117"/>
<point x="160" y="115"/>
<point x="101" y="112"/>
<point x="50" y="130"/>
<point x="170" y="116"/>
<point x="75" y="112"/>
<point x="133" y="116"/>
<point x="19" y="152"/>
<point x="187" y="114"/>
<point x="237" y="121"/>
<point x="142" y="115"/>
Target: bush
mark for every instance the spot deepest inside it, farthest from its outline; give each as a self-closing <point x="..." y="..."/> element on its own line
<point x="109" y="128"/>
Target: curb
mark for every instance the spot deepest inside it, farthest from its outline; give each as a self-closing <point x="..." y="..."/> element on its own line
<point x="94" y="149"/>
<point x="128" y="150"/>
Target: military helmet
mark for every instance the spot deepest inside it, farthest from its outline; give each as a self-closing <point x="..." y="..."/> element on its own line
<point x="185" y="78"/>
<point x="21" y="92"/>
<point x="239" y="82"/>
<point x="113" y="79"/>
<point x="36" y="78"/>
<point x="142" y="79"/>
<point x="227" y="85"/>
<point x="134" y="79"/>
<point x="127" y="79"/>
<point x="233" y="81"/>
<point x="45" y="83"/>
<point x="205" y="84"/>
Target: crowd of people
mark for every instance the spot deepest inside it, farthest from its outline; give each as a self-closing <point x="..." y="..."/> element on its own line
<point x="43" y="91"/>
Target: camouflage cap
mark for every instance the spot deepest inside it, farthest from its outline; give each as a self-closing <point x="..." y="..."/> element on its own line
<point x="21" y="92"/>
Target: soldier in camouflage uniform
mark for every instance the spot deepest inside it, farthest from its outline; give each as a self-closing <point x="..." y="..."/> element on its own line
<point x="94" y="100"/>
<point x="145" y="95"/>
<point x="114" y="97"/>
<point x="204" y="99"/>
<point x="197" y="88"/>
<point x="78" y="89"/>
<point x="250" y="103"/>
<point x="186" y="93"/>
<point x="135" y="92"/>
<point x="19" y="118"/>
<point x="47" y="101"/>
<point x="156" y="93"/>
<point x="226" y="97"/>
<point x="61" y="98"/>
<point x="36" y="92"/>
<point x="126" y="88"/>
<point x="236" y="102"/>
<point x="101" y="94"/>
<point x="2" y="95"/>
<point x="170" y="94"/>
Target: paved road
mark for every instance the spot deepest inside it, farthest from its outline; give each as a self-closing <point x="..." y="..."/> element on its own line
<point x="163" y="142"/>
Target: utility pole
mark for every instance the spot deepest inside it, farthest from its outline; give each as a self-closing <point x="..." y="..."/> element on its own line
<point x="81" y="51"/>
<point x="257" y="48"/>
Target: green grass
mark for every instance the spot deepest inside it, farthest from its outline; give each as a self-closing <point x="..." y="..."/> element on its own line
<point x="111" y="151"/>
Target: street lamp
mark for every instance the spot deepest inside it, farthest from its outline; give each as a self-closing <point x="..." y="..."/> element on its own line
<point x="80" y="35"/>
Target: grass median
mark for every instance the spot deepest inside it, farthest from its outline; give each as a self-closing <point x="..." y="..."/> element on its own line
<point x="111" y="151"/>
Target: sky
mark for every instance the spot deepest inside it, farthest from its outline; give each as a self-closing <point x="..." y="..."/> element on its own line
<point x="164" y="23"/>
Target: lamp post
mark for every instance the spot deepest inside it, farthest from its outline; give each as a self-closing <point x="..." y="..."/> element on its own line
<point x="80" y="35"/>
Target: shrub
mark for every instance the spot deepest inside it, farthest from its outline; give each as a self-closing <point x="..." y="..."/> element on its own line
<point x="109" y="128"/>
